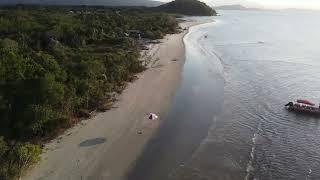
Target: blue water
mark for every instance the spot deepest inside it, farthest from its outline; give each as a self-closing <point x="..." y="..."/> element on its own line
<point x="228" y="120"/>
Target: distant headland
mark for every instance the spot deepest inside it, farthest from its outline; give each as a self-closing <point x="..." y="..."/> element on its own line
<point x="188" y="7"/>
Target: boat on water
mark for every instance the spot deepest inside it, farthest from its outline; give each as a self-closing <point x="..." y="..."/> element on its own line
<point x="303" y="106"/>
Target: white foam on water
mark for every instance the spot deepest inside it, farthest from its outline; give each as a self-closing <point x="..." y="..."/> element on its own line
<point x="250" y="167"/>
<point x="309" y="174"/>
<point x="197" y="49"/>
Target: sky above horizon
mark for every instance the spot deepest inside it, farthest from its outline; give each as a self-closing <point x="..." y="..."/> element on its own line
<point x="277" y="4"/>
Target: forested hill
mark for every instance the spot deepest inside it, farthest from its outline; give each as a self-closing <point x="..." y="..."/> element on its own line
<point x="149" y="3"/>
<point x="188" y="7"/>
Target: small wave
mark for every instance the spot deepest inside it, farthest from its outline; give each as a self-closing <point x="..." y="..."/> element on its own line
<point x="217" y="64"/>
<point x="241" y="43"/>
<point x="250" y="166"/>
<point x="286" y="61"/>
<point x="193" y="44"/>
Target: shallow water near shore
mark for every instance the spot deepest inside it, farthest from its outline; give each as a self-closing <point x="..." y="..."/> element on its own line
<point x="227" y="121"/>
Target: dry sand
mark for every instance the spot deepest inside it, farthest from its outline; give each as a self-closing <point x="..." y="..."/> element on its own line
<point x="105" y="146"/>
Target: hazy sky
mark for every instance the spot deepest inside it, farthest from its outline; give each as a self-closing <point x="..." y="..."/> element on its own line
<point x="306" y="4"/>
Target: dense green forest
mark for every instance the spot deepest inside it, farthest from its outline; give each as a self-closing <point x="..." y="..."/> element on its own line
<point x="146" y="3"/>
<point x="187" y="7"/>
<point x="56" y="63"/>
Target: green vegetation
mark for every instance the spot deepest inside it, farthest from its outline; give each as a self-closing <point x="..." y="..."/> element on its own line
<point x="188" y="7"/>
<point x="14" y="159"/>
<point x="58" y="62"/>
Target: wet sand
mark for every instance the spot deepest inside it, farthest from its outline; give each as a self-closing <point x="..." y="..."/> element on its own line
<point x="106" y="146"/>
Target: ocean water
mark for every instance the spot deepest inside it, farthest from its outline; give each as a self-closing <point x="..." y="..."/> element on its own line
<point x="227" y="121"/>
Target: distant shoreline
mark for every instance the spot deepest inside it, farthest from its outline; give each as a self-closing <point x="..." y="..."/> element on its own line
<point x="125" y="129"/>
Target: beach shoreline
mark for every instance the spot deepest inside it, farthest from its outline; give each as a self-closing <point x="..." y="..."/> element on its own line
<point x="106" y="146"/>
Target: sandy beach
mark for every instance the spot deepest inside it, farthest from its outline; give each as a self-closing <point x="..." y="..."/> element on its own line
<point x="106" y="146"/>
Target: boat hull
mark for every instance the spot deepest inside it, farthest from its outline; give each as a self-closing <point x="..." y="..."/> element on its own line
<point x="305" y="110"/>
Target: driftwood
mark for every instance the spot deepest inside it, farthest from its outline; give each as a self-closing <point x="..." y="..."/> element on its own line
<point x="106" y="106"/>
<point x="84" y="113"/>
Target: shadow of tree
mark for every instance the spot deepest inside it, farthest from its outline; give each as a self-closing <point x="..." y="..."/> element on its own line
<point x="92" y="142"/>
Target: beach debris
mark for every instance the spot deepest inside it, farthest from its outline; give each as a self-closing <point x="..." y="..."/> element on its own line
<point x="105" y="106"/>
<point x="154" y="41"/>
<point x="139" y="132"/>
<point x="145" y="48"/>
<point x="152" y="116"/>
<point x="84" y="113"/>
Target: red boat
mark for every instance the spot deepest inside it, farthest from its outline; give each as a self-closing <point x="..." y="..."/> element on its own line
<point x="303" y="106"/>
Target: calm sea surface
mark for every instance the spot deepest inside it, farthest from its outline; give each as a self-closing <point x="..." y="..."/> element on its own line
<point x="227" y="121"/>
